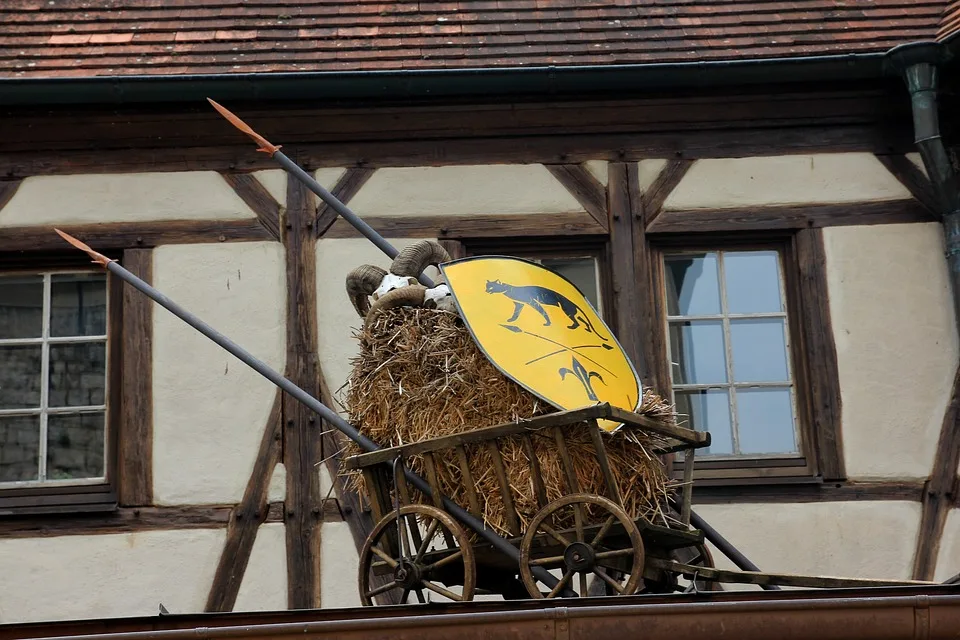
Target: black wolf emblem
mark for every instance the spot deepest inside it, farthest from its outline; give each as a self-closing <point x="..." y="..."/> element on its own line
<point x="535" y="297"/>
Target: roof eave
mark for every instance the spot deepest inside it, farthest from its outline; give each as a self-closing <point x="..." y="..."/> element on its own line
<point x="438" y="83"/>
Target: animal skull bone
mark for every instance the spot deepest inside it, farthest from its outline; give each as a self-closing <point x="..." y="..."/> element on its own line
<point x="399" y="286"/>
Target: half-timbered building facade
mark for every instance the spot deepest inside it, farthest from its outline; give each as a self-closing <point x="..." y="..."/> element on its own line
<point x="738" y="187"/>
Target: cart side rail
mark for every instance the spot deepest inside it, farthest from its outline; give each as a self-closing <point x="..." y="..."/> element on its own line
<point x="687" y="438"/>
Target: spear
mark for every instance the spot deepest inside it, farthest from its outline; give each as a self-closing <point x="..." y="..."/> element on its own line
<point x="274" y="151"/>
<point x="312" y="403"/>
<point x="292" y="167"/>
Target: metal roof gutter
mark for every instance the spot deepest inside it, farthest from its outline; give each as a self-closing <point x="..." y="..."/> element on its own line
<point x="435" y="83"/>
<point x="921" y="616"/>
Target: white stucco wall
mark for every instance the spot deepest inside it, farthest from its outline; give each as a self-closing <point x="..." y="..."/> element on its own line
<point x="336" y="319"/>
<point x="948" y="560"/>
<point x="264" y="586"/>
<point x="339" y="562"/>
<point x="275" y="182"/>
<point x="597" y="168"/>
<point x="917" y="160"/>
<point x="463" y="190"/>
<point x="784" y="180"/>
<point x="101" y="576"/>
<point x="123" y="197"/>
<point x="893" y="324"/>
<point x="648" y="171"/>
<point x="208" y="406"/>
<point x="845" y="539"/>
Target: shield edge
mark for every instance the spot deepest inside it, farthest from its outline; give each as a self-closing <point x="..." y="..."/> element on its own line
<point x="497" y="365"/>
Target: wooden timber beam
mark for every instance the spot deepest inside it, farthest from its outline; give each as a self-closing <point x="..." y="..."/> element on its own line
<point x="763" y="218"/>
<point x="766" y="493"/>
<point x="128" y="520"/>
<point x="823" y="398"/>
<point x="479" y="226"/>
<point x="135" y="440"/>
<point x="347" y="186"/>
<point x="581" y="184"/>
<point x="626" y="273"/>
<point x="563" y="147"/>
<point x="247" y="518"/>
<point x="256" y="196"/>
<point x="666" y="181"/>
<point x="8" y="189"/>
<point x="301" y="428"/>
<point x="940" y="490"/>
<point x="124" y="235"/>
<point x="911" y="177"/>
<point x="358" y="519"/>
<point x="635" y="272"/>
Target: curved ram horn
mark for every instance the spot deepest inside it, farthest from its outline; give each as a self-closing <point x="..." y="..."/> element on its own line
<point x="361" y="282"/>
<point x="415" y="258"/>
<point x="411" y="295"/>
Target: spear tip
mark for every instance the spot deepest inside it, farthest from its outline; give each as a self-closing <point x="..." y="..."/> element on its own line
<point x="265" y="145"/>
<point x="98" y="258"/>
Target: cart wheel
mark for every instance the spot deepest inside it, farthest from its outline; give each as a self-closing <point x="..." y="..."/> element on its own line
<point x="697" y="555"/>
<point x="599" y="555"/>
<point x="426" y="556"/>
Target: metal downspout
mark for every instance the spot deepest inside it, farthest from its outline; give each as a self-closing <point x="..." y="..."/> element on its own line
<point x="919" y="64"/>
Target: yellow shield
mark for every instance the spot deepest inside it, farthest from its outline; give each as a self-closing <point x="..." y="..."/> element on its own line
<point x="541" y="332"/>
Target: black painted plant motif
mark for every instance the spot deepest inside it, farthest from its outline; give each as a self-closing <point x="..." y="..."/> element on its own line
<point x="585" y="377"/>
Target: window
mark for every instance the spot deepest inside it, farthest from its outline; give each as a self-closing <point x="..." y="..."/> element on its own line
<point x="729" y="345"/>
<point x="746" y="353"/>
<point x="54" y="434"/>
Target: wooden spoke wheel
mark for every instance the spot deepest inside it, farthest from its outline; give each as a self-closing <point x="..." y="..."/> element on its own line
<point x="697" y="555"/>
<point x="429" y="545"/>
<point x="586" y="553"/>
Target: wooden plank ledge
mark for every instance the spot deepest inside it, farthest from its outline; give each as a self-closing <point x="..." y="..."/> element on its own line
<point x="781" y="579"/>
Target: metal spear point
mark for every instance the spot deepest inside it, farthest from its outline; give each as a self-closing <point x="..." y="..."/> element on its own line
<point x="274" y="151"/>
<point x="305" y="398"/>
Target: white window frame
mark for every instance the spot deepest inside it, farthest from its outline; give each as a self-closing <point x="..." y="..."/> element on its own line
<point x="45" y="340"/>
<point x="730" y="386"/>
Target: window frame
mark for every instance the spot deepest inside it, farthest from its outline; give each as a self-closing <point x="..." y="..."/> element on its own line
<point x="804" y="467"/>
<point x="83" y="495"/>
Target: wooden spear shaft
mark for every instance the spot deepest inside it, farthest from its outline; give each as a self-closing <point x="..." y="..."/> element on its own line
<point x="294" y="169"/>
<point x="309" y="401"/>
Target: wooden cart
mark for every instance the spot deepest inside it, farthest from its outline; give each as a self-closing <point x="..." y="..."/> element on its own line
<point x="415" y="548"/>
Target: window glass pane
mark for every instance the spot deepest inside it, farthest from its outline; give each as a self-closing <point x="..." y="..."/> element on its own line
<point x="20" y="376"/>
<point x="75" y="446"/>
<point x="77" y="374"/>
<point x="692" y="284"/>
<point x="582" y="272"/>
<point x="708" y="410"/>
<point x="19" y="448"/>
<point x="759" y="350"/>
<point x="753" y="281"/>
<point x="78" y="305"/>
<point x="697" y="352"/>
<point x="21" y="307"/>
<point x="765" y="418"/>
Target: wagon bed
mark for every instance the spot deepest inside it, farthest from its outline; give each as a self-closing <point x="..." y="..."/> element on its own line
<point x="620" y="555"/>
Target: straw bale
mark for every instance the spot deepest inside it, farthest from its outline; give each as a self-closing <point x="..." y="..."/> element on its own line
<point x="419" y="375"/>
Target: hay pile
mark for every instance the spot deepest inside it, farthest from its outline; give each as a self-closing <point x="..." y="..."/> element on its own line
<point x="419" y="375"/>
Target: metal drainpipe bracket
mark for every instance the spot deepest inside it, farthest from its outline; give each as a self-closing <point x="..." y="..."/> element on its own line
<point x="898" y="59"/>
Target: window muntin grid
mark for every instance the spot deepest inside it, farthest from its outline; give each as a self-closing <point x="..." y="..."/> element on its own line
<point x="57" y="405"/>
<point x="745" y="394"/>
